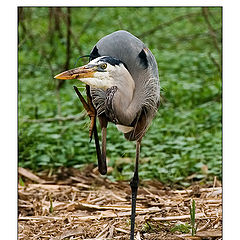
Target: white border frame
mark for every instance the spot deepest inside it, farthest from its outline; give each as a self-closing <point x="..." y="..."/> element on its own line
<point x="231" y="102"/>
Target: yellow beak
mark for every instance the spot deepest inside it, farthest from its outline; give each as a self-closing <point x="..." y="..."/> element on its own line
<point x="77" y="73"/>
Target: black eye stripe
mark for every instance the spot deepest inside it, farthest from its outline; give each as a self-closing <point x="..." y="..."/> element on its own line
<point x="110" y="60"/>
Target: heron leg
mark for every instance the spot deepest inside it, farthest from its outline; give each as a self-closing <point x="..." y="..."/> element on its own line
<point x="101" y="155"/>
<point x="89" y="108"/>
<point x="102" y="164"/>
<point x="134" y="187"/>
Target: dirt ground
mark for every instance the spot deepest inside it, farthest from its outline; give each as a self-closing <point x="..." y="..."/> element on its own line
<point x="70" y="204"/>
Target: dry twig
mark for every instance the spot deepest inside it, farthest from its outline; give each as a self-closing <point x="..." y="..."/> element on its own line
<point x="28" y="174"/>
<point x="57" y="118"/>
<point x="165" y="24"/>
<point x="212" y="32"/>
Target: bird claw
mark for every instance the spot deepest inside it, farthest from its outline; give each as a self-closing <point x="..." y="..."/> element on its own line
<point x="88" y="106"/>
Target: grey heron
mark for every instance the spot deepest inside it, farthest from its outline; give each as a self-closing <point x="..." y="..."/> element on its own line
<point x="123" y="87"/>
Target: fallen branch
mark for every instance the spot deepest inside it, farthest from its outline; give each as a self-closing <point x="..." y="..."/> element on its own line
<point x="203" y="234"/>
<point x="52" y="187"/>
<point x="183" y="217"/>
<point x="43" y="120"/>
<point x="122" y="230"/>
<point x="41" y="218"/>
<point x="28" y="174"/>
<point x="200" y="190"/>
<point x="105" y="214"/>
<point x="91" y="207"/>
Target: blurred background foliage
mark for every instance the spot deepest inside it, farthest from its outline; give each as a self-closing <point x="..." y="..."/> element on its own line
<point x="184" y="141"/>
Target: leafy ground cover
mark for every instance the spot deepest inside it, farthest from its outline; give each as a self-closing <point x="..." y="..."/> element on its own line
<point x="184" y="141"/>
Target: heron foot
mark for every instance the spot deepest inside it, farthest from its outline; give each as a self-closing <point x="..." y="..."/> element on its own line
<point x="88" y="106"/>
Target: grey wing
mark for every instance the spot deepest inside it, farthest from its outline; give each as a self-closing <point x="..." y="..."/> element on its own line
<point x="142" y="66"/>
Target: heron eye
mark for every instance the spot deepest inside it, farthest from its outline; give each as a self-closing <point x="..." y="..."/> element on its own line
<point x="103" y="66"/>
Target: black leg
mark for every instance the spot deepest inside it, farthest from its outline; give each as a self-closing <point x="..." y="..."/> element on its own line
<point x="102" y="168"/>
<point x="104" y="144"/>
<point x="101" y="155"/>
<point x="134" y="187"/>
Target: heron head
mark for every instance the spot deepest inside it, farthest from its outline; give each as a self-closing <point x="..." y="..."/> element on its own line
<point x="102" y="72"/>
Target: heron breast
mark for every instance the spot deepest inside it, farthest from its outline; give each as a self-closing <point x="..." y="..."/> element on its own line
<point x="108" y="104"/>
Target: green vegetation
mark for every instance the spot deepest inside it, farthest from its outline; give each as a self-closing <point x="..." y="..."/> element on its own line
<point x="184" y="138"/>
<point x="192" y="218"/>
<point x="21" y="182"/>
<point x="51" y="205"/>
<point x="180" y="227"/>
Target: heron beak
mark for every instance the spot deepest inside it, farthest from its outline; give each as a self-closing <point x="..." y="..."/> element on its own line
<point x="77" y="73"/>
